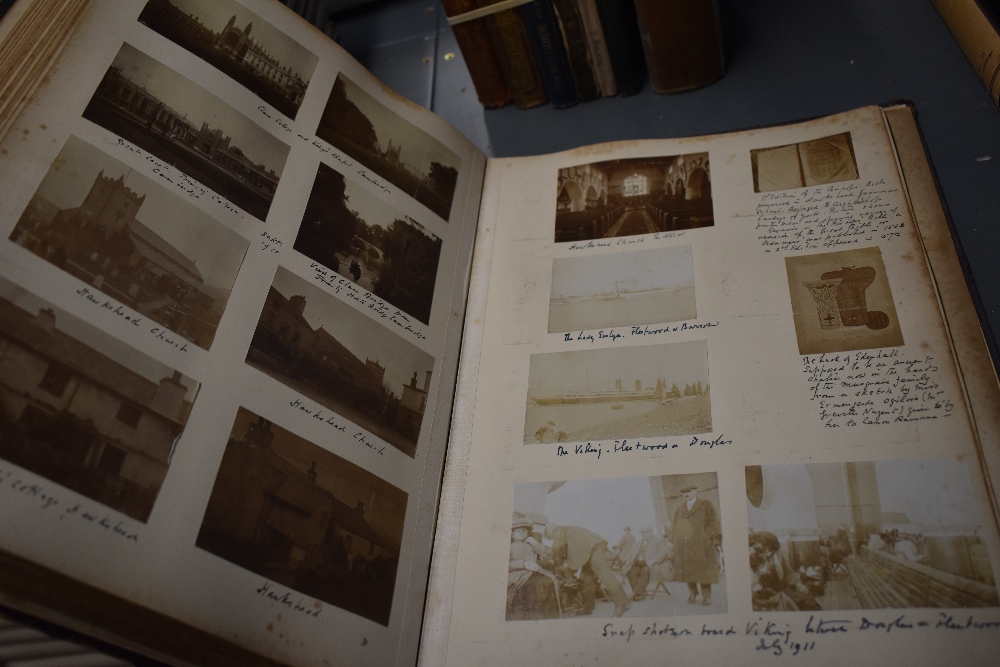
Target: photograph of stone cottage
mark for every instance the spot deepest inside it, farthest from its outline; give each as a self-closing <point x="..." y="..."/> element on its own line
<point x="83" y="409"/>
<point x="301" y="516"/>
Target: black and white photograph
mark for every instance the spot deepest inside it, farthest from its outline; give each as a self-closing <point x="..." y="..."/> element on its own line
<point x="867" y="535"/>
<point x="817" y="162"/>
<point x="240" y="44"/>
<point x="619" y="392"/>
<point x="125" y="236"/>
<point x="305" y="518"/>
<point x="395" y="149"/>
<point x="148" y="104"/>
<point x="621" y="289"/>
<point x="633" y="196"/>
<point x="310" y="341"/>
<point x="627" y="547"/>
<point x="83" y="409"/>
<point x="362" y="238"/>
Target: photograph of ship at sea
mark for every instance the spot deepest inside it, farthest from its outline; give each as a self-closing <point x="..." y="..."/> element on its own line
<point x="629" y="392"/>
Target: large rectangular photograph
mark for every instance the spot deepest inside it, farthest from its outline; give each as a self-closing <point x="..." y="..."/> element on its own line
<point x="395" y="149"/>
<point x="364" y="239"/>
<point x="238" y="43"/>
<point x="633" y="196"/>
<point x="305" y="518"/>
<point x="83" y="409"/>
<point x="628" y="547"/>
<point x="126" y="236"/>
<point x="624" y="392"/>
<point x="867" y="535"/>
<point x="150" y="105"/>
<point x="310" y="341"/>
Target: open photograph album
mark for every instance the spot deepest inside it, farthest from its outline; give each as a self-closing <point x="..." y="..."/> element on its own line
<point x="292" y="374"/>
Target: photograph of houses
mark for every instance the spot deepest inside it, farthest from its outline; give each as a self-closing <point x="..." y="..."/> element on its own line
<point x="315" y="344"/>
<point x="362" y="238"/>
<point x="127" y="237"/>
<point x="238" y="43"/>
<point x="395" y="149"/>
<point x="83" y="409"/>
<point x="148" y="104"/>
<point x="633" y="196"/>
<point x="293" y="512"/>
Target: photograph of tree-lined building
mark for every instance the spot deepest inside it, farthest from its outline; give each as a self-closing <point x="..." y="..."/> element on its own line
<point x="395" y="149"/>
<point x="289" y="510"/>
<point x="126" y="236"/>
<point x="623" y="392"/>
<point x="633" y="196"/>
<point x="867" y="535"/>
<point x="312" y="342"/>
<point x="83" y="409"/>
<point x="621" y="289"/>
<point x="150" y="105"/>
<point x="238" y="43"/>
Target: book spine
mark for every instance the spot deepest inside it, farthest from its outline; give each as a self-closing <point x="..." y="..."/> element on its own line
<point x="484" y="68"/>
<point x="513" y="51"/>
<point x="976" y="32"/>
<point x="682" y="42"/>
<point x="577" y="50"/>
<point x="621" y="34"/>
<point x="598" y="49"/>
<point x="546" y="42"/>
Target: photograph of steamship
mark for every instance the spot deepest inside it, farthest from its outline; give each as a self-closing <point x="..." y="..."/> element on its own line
<point x="395" y="149"/>
<point x="867" y="535"/>
<point x="124" y="235"/>
<point x="624" y="392"/>
<point x="633" y="196"/>
<point x="289" y="510"/>
<point x="238" y="43"/>
<point x="365" y="240"/>
<point x="84" y="410"/>
<point x="148" y="104"/>
<point x="621" y="289"/>
<point x="313" y="343"/>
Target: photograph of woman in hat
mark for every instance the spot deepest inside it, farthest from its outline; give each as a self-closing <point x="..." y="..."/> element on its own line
<point x="532" y="590"/>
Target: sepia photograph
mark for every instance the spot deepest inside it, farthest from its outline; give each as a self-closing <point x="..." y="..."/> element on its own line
<point x="633" y="196"/>
<point x="622" y="289"/>
<point x="395" y="149"/>
<point x="817" y="162"/>
<point x="124" y="235"/>
<point x="239" y="44"/>
<point x="83" y="409"/>
<point x="628" y="547"/>
<point x="841" y="301"/>
<point x="867" y="535"/>
<point x="150" y="105"/>
<point x="289" y="510"/>
<point x="624" y="392"/>
<point x="310" y="341"/>
<point x="365" y="240"/>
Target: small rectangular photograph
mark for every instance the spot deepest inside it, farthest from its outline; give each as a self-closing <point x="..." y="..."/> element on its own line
<point x="623" y="392"/>
<point x="395" y="149"/>
<point x="817" y="162"/>
<point x="83" y="409"/>
<point x="867" y="535"/>
<point x="289" y="510"/>
<point x="628" y="547"/>
<point x="622" y="289"/>
<point x="124" y="235"/>
<point x="239" y="44"/>
<point x="148" y="104"/>
<point x="310" y="341"/>
<point x="841" y="301"/>
<point x="633" y="196"/>
<point x="365" y="240"/>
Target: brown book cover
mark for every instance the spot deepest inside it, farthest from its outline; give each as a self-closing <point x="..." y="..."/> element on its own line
<point x="682" y="42"/>
<point x="510" y="43"/>
<point x="484" y="68"/>
<point x="577" y="49"/>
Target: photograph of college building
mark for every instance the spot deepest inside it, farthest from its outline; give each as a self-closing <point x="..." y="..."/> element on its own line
<point x="305" y="518"/>
<point x="633" y="196"/>
<point x="238" y="43"/>
<point x="867" y="535"/>
<point x="310" y="341"/>
<point x="85" y="410"/>
<point x="158" y="110"/>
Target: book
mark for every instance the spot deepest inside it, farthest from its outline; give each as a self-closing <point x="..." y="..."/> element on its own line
<point x="550" y="55"/>
<point x="484" y="68"/>
<point x="621" y="36"/>
<point x="730" y="391"/>
<point x="577" y="45"/>
<point x="513" y="49"/>
<point x="974" y="25"/>
<point x="598" y="47"/>
<point x="682" y="42"/>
